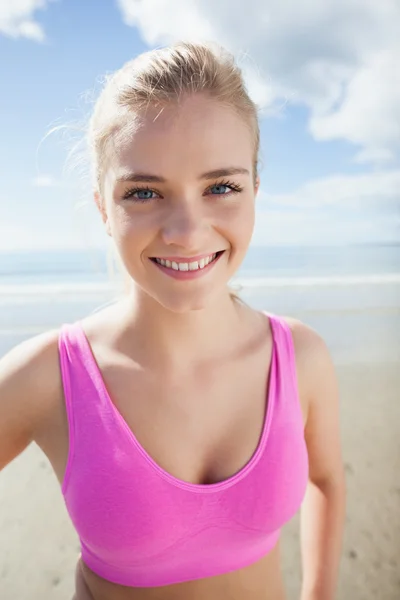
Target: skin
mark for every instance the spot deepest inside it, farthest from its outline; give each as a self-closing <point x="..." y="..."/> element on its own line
<point x="209" y="353"/>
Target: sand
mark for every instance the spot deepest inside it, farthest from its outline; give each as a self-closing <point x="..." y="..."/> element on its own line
<point x="370" y="415"/>
<point x="38" y="547"/>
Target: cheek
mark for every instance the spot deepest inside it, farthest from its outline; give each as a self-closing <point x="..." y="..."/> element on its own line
<point x="128" y="228"/>
<point x="238" y="222"/>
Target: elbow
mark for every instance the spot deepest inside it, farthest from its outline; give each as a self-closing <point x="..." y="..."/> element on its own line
<point x="332" y="484"/>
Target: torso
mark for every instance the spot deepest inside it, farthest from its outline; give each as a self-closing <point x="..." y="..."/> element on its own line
<point x="259" y="581"/>
<point x="205" y="440"/>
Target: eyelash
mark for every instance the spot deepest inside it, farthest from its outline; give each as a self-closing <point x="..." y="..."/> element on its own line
<point x="128" y="195"/>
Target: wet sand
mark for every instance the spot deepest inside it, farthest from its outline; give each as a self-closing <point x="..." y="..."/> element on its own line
<point x="38" y="547"/>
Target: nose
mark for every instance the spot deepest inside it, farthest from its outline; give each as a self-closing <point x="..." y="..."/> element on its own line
<point x="185" y="226"/>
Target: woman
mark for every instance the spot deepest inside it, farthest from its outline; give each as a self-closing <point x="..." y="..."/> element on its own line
<point x="185" y="428"/>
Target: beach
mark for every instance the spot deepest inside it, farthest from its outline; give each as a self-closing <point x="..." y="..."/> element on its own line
<point x="360" y="322"/>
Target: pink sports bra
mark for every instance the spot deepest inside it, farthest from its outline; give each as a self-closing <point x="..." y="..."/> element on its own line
<point x="138" y="525"/>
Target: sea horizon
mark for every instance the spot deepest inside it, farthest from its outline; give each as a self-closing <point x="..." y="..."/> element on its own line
<point x="263" y="265"/>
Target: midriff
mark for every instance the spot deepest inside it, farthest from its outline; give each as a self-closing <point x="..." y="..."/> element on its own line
<point x="259" y="581"/>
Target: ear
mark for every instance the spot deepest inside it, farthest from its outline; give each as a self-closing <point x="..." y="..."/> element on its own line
<point x="257" y="185"/>
<point x="102" y="209"/>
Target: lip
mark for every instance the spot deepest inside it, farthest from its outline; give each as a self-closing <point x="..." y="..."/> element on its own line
<point x="187" y="275"/>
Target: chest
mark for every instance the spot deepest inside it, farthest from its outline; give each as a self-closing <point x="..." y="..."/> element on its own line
<point x="202" y="426"/>
<point x="148" y="484"/>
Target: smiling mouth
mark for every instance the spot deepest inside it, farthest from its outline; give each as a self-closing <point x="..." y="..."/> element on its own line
<point x="195" y="265"/>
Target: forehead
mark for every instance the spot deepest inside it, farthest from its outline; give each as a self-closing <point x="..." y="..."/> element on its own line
<point x="196" y="135"/>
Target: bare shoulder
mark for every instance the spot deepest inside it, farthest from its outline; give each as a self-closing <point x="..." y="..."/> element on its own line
<point x="319" y="391"/>
<point x="30" y="360"/>
<point x="315" y="369"/>
<point x="30" y="386"/>
<point x="308" y="343"/>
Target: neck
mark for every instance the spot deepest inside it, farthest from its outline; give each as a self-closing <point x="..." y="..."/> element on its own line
<point x="181" y="338"/>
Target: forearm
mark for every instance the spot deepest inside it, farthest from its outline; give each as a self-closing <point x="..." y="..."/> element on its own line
<point x="322" y="523"/>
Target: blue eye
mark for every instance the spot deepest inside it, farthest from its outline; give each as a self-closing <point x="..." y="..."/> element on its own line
<point x="140" y="194"/>
<point x="220" y="189"/>
<point x="224" y="188"/>
<point x="144" y="194"/>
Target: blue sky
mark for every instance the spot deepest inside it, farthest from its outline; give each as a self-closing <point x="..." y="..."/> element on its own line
<point x="327" y="80"/>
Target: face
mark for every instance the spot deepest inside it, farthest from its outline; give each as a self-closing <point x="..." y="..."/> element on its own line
<point x="178" y="200"/>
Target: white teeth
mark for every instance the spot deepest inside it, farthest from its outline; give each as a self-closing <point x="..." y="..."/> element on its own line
<point x="182" y="266"/>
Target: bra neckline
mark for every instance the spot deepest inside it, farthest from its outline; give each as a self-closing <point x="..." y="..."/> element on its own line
<point x="176" y="481"/>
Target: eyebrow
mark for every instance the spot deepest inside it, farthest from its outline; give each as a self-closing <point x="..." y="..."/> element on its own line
<point x="148" y="178"/>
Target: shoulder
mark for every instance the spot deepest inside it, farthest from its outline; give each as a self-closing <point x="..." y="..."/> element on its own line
<point x="315" y="369"/>
<point x="308" y="343"/>
<point x="30" y="385"/>
<point x="32" y="358"/>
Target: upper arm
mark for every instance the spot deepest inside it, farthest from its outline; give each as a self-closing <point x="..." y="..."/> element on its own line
<point x="319" y="392"/>
<point x="28" y="387"/>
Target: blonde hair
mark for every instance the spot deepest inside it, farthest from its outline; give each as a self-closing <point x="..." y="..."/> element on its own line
<point x="161" y="76"/>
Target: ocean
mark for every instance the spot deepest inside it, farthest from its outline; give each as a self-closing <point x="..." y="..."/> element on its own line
<point x="350" y="294"/>
<point x="74" y="267"/>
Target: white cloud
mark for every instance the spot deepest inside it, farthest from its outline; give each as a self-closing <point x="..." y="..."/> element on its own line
<point x="338" y="57"/>
<point x="279" y="228"/>
<point x="16" y="236"/>
<point x="51" y="233"/>
<point x="44" y="181"/>
<point x="336" y="210"/>
<point x="17" y="19"/>
<point x="370" y="113"/>
<point x="374" y="190"/>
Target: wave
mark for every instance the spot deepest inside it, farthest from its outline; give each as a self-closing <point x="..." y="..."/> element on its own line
<point x="324" y="281"/>
<point x="243" y="283"/>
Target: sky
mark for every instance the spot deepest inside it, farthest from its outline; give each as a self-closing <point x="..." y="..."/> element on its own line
<point x="325" y="75"/>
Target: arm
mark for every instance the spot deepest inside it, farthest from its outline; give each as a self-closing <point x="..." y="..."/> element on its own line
<point x="28" y="387"/>
<point x="323" y="510"/>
